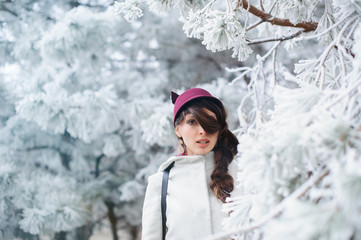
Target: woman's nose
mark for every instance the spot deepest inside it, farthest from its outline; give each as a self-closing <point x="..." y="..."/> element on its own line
<point x="201" y="130"/>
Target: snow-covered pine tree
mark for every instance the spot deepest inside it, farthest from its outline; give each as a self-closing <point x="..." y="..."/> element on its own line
<point x="300" y="151"/>
<point x="81" y="97"/>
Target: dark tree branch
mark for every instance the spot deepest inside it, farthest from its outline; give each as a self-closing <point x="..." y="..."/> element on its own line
<point x="64" y="157"/>
<point x="84" y="232"/>
<point x="307" y="26"/>
<point x="4" y="8"/>
<point x="60" y="235"/>
<point x="97" y="163"/>
<point x="65" y="160"/>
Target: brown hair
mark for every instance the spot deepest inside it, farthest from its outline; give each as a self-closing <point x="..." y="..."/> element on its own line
<point x="226" y="146"/>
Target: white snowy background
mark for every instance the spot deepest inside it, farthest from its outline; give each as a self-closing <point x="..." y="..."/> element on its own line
<point x="85" y="114"/>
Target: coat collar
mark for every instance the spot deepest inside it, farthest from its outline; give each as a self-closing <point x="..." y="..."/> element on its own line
<point x="186" y="159"/>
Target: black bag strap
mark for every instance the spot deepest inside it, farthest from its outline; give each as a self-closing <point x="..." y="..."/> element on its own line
<point x="164" y="196"/>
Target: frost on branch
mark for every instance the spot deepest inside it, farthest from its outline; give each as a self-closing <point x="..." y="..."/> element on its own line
<point x="64" y="57"/>
<point x="314" y="127"/>
<point x="193" y="24"/>
<point x="57" y="111"/>
<point x="346" y="7"/>
<point x="184" y="5"/>
<point x="296" y="11"/>
<point x="57" y="209"/>
<point x="224" y="24"/>
<point x="301" y="215"/>
<point x="129" y="8"/>
<point x="241" y="50"/>
<point x="326" y="21"/>
<point x="131" y="190"/>
<point x="220" y="31"/>
<point x="78" y="39"/>
<point x="297" y="142"/>
<point x="113" y="145"/>
<point x="83" y="121"/>
<point x="158" y="128"/>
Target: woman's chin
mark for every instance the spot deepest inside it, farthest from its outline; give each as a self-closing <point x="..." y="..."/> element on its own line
<point x="201" y="151"/>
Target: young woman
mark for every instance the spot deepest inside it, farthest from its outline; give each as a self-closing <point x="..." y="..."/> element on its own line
<point x="201" y="178"/>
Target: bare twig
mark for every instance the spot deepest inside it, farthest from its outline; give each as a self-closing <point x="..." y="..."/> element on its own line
<point x="263" y="76"/>
<point x="322" y="76"/>
<point x="229" y="6"/>
<point x="281" y="39"/>
<point x="261" y="5"/>
<point x="260" y="21"/>
<point x="247" y="17"/>
<point x="270" y="51"/>
<point x="301" y="191"/>
<point x="273" y="6"/>
<point x="240" y="77"/>
<point x="254" y="25"/>
<point x="247" y="70"/>
<point x="350" y="33"/>
<point x="313" y="10"/>
<point x="307" y="26"/>
<point x="232" y="70"/>
<point x="274" y="79"/>
<point x="342" y="58"/>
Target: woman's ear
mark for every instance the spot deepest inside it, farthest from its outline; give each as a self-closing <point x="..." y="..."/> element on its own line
<point x="178" y="131"/>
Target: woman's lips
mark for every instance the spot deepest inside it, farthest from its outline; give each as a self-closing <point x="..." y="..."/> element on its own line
<point x="203" y="142"/>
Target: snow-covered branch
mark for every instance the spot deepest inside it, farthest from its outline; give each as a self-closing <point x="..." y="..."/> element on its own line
<point x="277" y="209"/>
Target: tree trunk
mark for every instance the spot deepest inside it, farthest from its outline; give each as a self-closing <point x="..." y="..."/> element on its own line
<point x="84" y="232"/>
<point x="112" y="219"/>
<point x="135" y="232"/>
<point x="60" y="236"/>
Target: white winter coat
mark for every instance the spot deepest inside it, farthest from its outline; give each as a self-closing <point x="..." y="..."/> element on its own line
<point x="193" y="212"/>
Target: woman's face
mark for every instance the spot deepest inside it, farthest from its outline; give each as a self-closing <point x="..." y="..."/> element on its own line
<point x="197" y="141"/>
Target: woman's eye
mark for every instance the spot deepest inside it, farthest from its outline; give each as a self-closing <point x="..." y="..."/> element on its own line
<point x="191" y="122"/>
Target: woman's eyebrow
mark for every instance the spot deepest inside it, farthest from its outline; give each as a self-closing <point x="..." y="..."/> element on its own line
<point x="189" y="115"/>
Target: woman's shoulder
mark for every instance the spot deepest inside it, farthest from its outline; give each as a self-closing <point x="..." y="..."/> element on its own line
<point x="179" y="162"/>
<point x="182" y="161"/>
<point x="166" y="164"/>
<point x="162" y="167"/>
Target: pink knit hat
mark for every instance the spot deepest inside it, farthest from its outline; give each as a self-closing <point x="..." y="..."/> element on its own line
<point x="180" y="100"/>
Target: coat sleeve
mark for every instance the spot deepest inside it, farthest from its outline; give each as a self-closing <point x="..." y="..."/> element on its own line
<point x="152" y="216"/>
